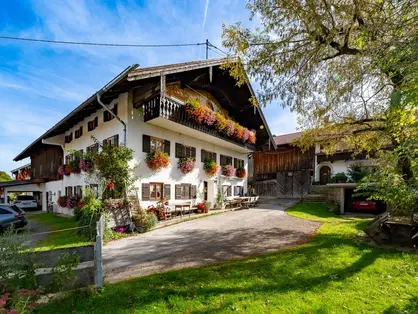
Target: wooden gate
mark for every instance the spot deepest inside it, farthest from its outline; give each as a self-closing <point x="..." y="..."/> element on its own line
<point x="288" y="184"/>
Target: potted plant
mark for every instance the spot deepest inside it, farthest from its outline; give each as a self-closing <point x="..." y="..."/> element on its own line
<point x="186" y="164"/>
<point x="202" y="208"/>
<point x="210" y="167"/>
<point x="228" y="170"/>
<point x="157" y="211"/>
<point x="157" y="160"/>
<point x="339" y="178"/>
<point x="241" y="172"/>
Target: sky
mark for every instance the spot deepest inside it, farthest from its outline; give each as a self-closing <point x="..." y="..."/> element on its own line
<point x="41" y="83"/>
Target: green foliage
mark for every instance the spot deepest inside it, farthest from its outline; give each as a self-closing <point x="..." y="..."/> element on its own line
<point x="16" y="266"/>
<point x="144" y="220"/>
<point x="322" y="276"/>
<point x="4" y="176"/>
<point x="350" y="71"/>
<point x="63" y="275"/>
<point x="338" y="177"/>
<point x="358" y="171"/>
<point x="90" y="214"/>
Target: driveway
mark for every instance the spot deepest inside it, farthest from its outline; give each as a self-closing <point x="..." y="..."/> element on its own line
<point x="207" y="240"/>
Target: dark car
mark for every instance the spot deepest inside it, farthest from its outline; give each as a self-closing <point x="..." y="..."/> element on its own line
<point x="11" y="215"/>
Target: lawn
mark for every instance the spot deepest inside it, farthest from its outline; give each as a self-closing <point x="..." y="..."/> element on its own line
<point x="61" y="239"/>
<point x="331" y="274"/>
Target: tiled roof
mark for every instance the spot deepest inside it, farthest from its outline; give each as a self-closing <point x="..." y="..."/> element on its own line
<point x="286" y="139"/>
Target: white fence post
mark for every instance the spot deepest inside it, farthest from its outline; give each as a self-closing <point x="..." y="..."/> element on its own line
<point x="98" y="252"/>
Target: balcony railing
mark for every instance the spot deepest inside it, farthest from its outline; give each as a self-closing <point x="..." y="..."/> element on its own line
<point x="174" y="111"/>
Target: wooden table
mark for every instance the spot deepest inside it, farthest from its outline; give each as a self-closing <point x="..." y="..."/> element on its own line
<point x="182" y="205"/>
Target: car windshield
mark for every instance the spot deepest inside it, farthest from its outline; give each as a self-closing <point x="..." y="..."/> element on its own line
<point x="25" y="198"/>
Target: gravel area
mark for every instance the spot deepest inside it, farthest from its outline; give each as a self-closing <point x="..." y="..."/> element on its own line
<point x="208" y="240"/>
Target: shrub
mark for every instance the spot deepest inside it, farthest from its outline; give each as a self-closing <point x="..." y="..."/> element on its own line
<point x="357" y="172"/>
<point x="210" y="167"/>
<point x="338" y="177"/>
<point x="186" y="164"/>
<point x="144" y="220"/>
<point x="158" y="211"/>
<point x="241" y="172"/>
<point x="228" y="170"/>
<point x="157" y="160"/>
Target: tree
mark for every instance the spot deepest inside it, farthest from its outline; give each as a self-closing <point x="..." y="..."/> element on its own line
<point x="348" y="68"/>
<point x="4" y="177"/>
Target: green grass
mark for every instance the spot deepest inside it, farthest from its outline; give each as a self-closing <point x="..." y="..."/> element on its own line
<point x="57" y="240"/>
<point x="331" y="274"/>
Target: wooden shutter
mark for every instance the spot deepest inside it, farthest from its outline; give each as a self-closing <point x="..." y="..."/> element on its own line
<point x="179" y="150"/>
<point x="146" y="143"/>
<point x="193" y="152"/>
<point x="235" y="163"/>
<point x="202" y="155"/>
<point x="177" y="190"/>
<point x="167" y="147"/>
<point x="89" y="126"/>
<point x="193" y="191"/>
<point x="96" y="122"/>
<point x="116" y="140"/>
<point x="145" y="191"/>
<point x="167" y="191"/>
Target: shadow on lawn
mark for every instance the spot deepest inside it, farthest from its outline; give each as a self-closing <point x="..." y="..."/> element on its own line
<point x="275" y="273"/>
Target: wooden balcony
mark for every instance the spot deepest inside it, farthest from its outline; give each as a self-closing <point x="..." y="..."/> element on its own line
<point x="165" y="113"/>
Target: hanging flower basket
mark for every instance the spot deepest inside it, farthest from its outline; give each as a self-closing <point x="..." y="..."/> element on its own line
<point x="186" y="164"/>
<point x="241" y="172"/>
<point x="228" y="170"/>
<point x="85" y="165"/>
<point x="64" y="170"/>
<point x="252" y="138"/>
<point x="210" y="167"/>
<point x="157" y="160"/>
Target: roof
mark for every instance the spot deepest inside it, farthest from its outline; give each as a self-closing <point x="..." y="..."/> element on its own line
<point x="287" y="139"/>
<point x="21" y="167"/>
<point x="14" y="183"/>
<point x="129" y="76"/>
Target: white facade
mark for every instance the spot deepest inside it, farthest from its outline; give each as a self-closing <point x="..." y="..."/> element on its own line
<point x="136" y="127"/>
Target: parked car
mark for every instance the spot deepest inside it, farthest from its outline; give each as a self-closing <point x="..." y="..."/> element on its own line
<point x="365" y="205"/>
<point x="26" y="202"/>
<point x="11" y="215"/>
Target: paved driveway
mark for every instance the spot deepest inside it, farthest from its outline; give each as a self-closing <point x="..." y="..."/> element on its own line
<point x="212" y="239"/>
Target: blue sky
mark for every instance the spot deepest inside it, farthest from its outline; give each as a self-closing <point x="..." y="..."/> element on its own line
<point x="41" y="83"/>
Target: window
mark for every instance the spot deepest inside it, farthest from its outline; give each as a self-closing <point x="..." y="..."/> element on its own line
<point x="238" y="190"/>
<point x="69" y="138"/>
<point x="185" y="151"/>
<point x="91" y="125"/>
<point x="68" y="191"/>
<point x="225" y="160"/>
<point x="78" y="190"/>
<point x="68" y="158"/>
<point x="107" y="116"/>
<point x="78" y="133"/>
<point x="112" y="141"/>
<point x="207" y="155"/>
<point x="156" y="191"/>
<point x="227" y="190"/>
<point x="150" y="144"/>
<point x="238" y="163"/>
<point x="95" y="189"/>
<point x="185" y="191"/>
<point x="92" y="148"/>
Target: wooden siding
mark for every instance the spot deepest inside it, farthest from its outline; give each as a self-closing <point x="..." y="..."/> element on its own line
<point x="285" y="159"/>
<point x="45" y="163"/>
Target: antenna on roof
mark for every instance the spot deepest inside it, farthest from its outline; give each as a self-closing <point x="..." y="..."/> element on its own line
<point x="207" y="49"/>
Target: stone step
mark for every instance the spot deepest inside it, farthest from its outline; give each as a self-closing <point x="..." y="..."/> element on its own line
<point x="315" y="198"/>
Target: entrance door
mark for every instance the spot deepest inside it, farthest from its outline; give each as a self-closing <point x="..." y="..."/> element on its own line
<point x="324" y="175"/>
<point x="205" y="190"/>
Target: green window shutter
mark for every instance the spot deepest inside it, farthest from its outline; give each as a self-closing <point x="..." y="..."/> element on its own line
<point x="167" y="147"/>
<point x="146" y="143"/>
<point x="177" y="190"/>
<point x="179" y="150"/>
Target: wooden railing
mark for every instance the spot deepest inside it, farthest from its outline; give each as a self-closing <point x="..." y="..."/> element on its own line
<point x="174" y="111"/>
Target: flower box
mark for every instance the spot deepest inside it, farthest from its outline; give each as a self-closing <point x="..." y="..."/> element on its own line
<point x="186" y="164"/>
<point x="228" y="170"/>
<point x="157" y="160"/>
<point x="210" y="167"/>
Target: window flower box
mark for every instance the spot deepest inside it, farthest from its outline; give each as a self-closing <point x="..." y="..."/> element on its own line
<point x="157" y="160"/>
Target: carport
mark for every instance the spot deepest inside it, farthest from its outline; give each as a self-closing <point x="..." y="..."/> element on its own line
<point x="24" y="186"/>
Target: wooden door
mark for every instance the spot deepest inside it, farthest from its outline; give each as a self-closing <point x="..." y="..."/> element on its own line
<point x="324" y="175"/>
<point x="205" y="190"/>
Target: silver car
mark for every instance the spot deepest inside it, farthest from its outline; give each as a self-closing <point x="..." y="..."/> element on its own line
<point x="11" y="215"/>
<point x="26" y="202"/>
